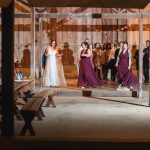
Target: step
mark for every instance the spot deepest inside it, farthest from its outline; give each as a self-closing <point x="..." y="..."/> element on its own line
<point x="69" y="92"/>
<point x="71" y="75"/>
<point x="100" y="93"/>
<point x="69" y="68"/>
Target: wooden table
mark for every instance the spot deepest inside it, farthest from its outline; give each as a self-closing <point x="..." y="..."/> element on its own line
<point x="20" y="86"/>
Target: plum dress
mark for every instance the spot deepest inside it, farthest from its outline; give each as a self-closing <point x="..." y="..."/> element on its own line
<point x="124" y="74"/>
<point x="87" y="76"/>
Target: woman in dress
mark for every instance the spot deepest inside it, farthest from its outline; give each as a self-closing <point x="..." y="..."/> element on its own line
<point x="87" y="76"/>
<point x="53" y="73"/>
<point x="124" y="69"/>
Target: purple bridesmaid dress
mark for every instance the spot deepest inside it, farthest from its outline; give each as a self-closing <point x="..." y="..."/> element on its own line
<point x="87" y="76"/>
<point x="126" y="76"/>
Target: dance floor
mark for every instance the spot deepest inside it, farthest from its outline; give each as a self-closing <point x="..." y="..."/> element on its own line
<point x="103" y="117"/>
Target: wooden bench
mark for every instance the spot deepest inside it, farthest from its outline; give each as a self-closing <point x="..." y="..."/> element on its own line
<point x="31" y="109"/>
<point x="46" y="94"/>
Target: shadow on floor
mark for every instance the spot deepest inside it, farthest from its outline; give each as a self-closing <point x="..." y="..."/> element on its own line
<point x="117" y="101"/>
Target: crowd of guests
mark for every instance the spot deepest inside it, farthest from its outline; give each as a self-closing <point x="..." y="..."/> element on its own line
<point x="95" y="63"/>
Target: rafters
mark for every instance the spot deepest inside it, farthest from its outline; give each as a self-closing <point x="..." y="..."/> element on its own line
<point x="28" y="5"/>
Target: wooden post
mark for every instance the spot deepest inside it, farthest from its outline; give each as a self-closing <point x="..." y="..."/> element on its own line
<point x="140" y="56"/>
<point x="149" y="76"/>
<point x="8" y="70"/>
<point x="40" y="52"/>
<point x="117" y="31"/>
<point x="33" y="47"/>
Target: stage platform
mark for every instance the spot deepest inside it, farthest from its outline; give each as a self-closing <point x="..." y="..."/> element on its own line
<point x="109" y="89"/>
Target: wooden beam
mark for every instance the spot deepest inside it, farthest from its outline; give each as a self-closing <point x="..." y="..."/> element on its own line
<point x="21" y="8"/>
<point x="40" y="51"/>
<point x="32" y="69"/>
<point x="120" y="15"/>
<point x="145" y="15"/>
<point x="140" y="57"/>
<point x="114" y="10"/>
<point x="25" y="3"/>
<point x="8" y="70"/>
<point x="64" y="15"/>
<point x="90" y="3"/>
<point x="76" y="28"/>
<point x="84" y="15"/>
<point x="5" y="3"/>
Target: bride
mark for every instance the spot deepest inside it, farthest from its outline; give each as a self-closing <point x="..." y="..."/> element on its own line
<point x="53" y="73"/>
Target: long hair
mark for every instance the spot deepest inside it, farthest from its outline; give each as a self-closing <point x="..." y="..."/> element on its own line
<point x="86" y="44"/>
<point x="52" y="42"/>
<point x="98" y="44"/>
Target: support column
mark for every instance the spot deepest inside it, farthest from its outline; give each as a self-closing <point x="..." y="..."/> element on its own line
<point x="53" y="24"/>
<point x="8" y="70"/>
<point x="117" y="30"/>
<point x="33" y="47"/>
<point x="149" y="76"/>
<point x="40" y="51"/>
<point x="140" y="56"/>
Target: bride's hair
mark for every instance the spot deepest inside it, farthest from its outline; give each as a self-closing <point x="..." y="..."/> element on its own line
<point x="52" y="42"/>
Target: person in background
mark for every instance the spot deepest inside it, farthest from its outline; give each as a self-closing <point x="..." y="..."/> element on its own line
<point x="146" y="62"/>
<point x="117" y="53"/>
<point x="107" y="52"/>
<point x="111" y="61"/>
<point x="136" y="58"/>
<point x="67" y="57"/>
<point x="104" y="61"/>
<point x="97" y="59"/>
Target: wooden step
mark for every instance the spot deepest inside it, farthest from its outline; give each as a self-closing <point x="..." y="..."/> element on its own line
<point x="69" y="68"/>
<point x="71" y="75"/>
<point x="99" y="93"/>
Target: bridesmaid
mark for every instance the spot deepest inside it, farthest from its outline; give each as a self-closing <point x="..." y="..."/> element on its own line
<point x="87" y="76"/>
<point x="124" y="69"/>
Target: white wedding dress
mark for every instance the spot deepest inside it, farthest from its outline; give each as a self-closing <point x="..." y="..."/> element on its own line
<point x="53" y="73"/>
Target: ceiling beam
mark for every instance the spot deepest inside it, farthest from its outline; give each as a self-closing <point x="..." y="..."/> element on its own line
<point x="29" y="6"/>
<point x="90" y="3"/>
<point x="4" y="3"/>
<point x="25" y="3"/>
<point x="97" y="28"/>
<point x="85" y="15"/>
